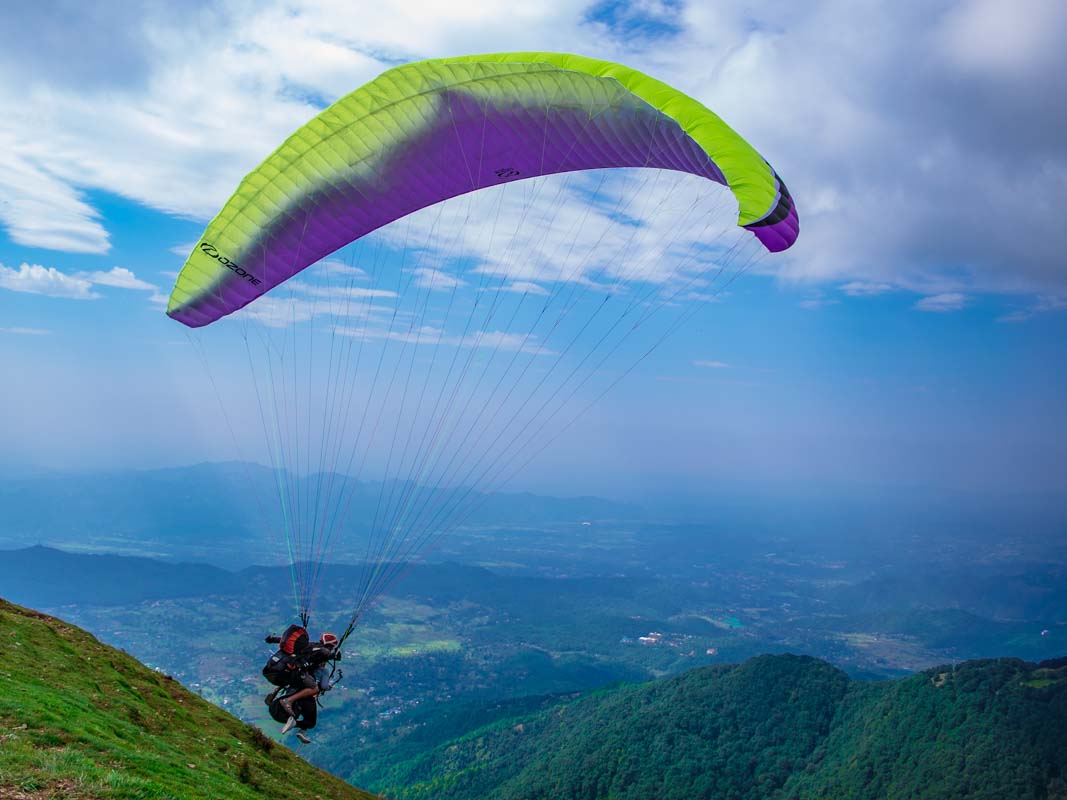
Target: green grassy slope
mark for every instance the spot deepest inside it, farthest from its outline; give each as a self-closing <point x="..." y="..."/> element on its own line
<point x="79" y="719"/>
<point x="773" y="728"/>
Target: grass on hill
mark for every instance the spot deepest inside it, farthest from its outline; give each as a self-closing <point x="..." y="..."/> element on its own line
<point x="79" y="719"/>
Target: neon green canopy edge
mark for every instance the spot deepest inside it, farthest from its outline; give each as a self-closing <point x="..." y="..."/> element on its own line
<point x="749" y="176"/>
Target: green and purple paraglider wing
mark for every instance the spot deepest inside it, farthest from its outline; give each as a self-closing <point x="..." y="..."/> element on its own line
<point x="424" y="132"/>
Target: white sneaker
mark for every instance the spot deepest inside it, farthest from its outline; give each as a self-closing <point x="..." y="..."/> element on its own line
<point x="289" y="725"/>
<point x="303" y="737"/>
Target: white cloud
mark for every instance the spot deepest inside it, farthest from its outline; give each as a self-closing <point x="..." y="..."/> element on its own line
<point x="119" y="278"/>
<point x="881" y="124"/>
<point x="40" y="208"/>
<point x="49" y="281"/>
<point x="865" y="288"/>
<point x="324" y="290"/>
<point x="307" y="300"/>
<point x="942" y="303"/>
<point x="501" y="340"/>
<point x="212" y="94"/>
<point x="339" y="269"/>
<point x="1043" y="304"/>
<point x="1015" y="316"/>
<point x="280" y="311"/>
<point x="642" y="226"/>
<point x="993" y="38"/>
<point x="881" y="133"/>
<point x="184" y="250"/>
<point x="817" y="301"/>
<point x="432" y="336"/>
<point x="711" y="364"/>
<point x="525" y="287"/>
<point x="435" y="279"/>
<point x="704" y="297"/>
<point x="304" y="302"/>
<point x="424" y="334"/>
<point x="1050" y="303"/>
<point x="25" y="331"/>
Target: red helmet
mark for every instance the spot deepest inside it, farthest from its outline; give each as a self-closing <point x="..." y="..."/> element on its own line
<point x="329" y="639"/>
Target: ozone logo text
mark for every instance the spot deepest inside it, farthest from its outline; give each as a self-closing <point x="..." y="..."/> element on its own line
<point x="211" y="250"/>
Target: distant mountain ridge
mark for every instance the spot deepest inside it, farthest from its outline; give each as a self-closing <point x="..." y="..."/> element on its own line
<point x="212" y="511"/>
<point x="772" y="727"/>
<point x="47" y="577"/>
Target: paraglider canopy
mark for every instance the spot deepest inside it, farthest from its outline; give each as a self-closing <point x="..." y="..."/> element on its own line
<point x="431" y="130"/>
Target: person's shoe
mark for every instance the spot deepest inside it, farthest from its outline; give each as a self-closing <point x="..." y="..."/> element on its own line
<point x="270" y="697"/>
<point x="289" y="725"/>
<point x="303" y="737"/>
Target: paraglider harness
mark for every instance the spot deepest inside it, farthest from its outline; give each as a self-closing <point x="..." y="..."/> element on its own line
<point x="291" y="659"/>
<point x="288" y="661"/>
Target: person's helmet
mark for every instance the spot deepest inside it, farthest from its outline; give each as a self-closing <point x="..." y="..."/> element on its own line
<point x="329" y="639"/>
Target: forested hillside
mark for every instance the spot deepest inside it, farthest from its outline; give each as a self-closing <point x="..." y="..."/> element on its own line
<point x="773" y="727"/>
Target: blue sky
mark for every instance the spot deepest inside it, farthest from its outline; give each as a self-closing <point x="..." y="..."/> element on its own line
<point x="915" y="336"/>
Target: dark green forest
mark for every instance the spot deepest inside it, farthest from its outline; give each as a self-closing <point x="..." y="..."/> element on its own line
<point x="773" y="727"/>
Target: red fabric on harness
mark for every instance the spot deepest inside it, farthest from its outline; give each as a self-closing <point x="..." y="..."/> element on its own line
<point x="289" y="644"/>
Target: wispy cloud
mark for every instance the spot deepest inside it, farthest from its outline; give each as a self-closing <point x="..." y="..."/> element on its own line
<point x="525" y="287"/>
<point x="702" y="381"/>
<point x="942" y="303"/>
<point x="306" y="303"/>
<point x="48" y="281"/>
<point x="40" y="208"/>
<point x="1049" y="302"/>
<point x="343" y="292"/>
<point x="878" y="173"/>
<point x="818" y="300"/>
<point x="280" y="311"/>
<point x="711" y="364"/>
<point x="865" y="288"/>
<point x="435" y="279"/>
<point x="1043" y="305"/>
<point x="642" y="19"/>
<point x="138" y="123"/>
<point x="119" y="278"/>
<point x="603" y="229"/>
<point x="51" y="282"/>
<point x="705" y="297"/>
<point x="184" y="250"/>
<point x="25" y="331"/>
<point x="501" y="340"/>
<point x="339" y="269"/>
<point x="432" y="335"/>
